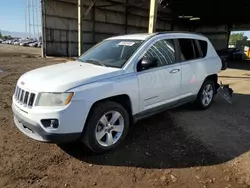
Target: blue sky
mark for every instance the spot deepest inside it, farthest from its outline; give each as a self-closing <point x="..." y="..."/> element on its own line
<point x="12" y="15"/>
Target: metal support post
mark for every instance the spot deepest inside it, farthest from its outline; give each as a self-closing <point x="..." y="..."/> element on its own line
<point x="43" y="22"/>
<point x="229" y="27"/>
<point x="152" y="16"/>
<point x="80" y="45"/>
<point x="126" y="17"/>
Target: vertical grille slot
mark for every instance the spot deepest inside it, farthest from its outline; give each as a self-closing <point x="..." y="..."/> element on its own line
<point x="31" y="99"/>
<point x="25" y="101"/>
<point x="22" y="96"/>
<point x="17" y="89"/>
<point x="19" y="94"/>
<point x="15" y="92"/>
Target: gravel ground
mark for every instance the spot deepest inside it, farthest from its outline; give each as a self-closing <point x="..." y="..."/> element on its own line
<point x="178" y="148"/>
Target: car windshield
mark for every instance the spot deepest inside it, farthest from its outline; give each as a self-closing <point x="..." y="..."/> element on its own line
<point x="111" y="53"/>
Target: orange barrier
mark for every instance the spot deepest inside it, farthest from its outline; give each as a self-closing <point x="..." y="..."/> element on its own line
<point x="248" y="53"/>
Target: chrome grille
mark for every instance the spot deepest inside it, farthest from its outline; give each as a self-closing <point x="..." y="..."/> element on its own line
<point x="23" y="97"/>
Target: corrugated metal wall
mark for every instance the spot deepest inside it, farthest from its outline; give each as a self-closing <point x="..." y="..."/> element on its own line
<point x="217" y="34"/>
<point x="101" y="22"/>
<point x="61" y="29"/>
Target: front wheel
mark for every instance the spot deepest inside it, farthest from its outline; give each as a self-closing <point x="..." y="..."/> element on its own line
<point x="206" y="95"/>
<point x="107" y="126"/>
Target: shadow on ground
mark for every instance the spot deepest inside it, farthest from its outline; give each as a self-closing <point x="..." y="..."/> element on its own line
<point x="155" y="142"/>
<point x="158" y="142"/>
<point x="241" y="65"/>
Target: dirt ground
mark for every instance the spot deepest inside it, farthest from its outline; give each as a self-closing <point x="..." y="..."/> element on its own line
<point x="178" y="148"/>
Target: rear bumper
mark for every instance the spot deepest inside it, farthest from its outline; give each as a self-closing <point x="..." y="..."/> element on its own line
<point x="34" y="131"/>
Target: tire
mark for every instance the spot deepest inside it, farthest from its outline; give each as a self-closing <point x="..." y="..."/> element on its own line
<point x="102" y="113"/>
<point x="200" y="101"/>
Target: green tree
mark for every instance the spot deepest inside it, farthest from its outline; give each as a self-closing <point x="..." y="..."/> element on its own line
<point x="1" y="34"/>
<point x="235" y="37"/>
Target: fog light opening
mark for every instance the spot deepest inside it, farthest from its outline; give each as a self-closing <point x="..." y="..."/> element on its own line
<point x="54" y="123"/>
<point x="50" y="123"/>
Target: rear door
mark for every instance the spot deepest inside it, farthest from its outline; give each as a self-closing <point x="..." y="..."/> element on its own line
<point x="160" y="85"/>
<point x="192" y="65"/>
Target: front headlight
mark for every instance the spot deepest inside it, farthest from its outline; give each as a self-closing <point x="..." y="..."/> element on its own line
<point x="54" y="99"/>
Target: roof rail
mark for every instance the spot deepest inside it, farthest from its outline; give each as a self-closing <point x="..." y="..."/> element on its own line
<point x="169" y="32"/>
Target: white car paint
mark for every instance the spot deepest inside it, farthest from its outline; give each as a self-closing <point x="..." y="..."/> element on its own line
<point x="158" y="86"/>
<point x="91" y="83"/>
<point x="141" y="36"/>
<point x="63" y="76"/>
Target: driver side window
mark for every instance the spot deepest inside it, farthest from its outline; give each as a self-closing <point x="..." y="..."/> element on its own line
<point x="163" y="51"/>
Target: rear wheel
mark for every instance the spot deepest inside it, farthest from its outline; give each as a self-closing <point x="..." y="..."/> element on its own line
<point x="107" y="126"/>
<point x="206" y="94"/>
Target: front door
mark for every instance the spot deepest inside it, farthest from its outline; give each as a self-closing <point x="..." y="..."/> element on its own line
<point x="160" y="85"/>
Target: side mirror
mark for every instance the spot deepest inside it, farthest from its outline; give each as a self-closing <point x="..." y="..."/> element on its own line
<point x="147" y="63"/>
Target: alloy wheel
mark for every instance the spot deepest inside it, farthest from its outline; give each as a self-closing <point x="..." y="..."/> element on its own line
<point x="207" y="95"/>
<point x="109" y="128"/>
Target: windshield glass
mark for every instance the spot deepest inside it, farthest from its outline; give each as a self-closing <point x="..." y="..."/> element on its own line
<point x="111" y="53"/>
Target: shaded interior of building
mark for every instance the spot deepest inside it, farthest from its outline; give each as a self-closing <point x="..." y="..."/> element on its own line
<point x="105" y="18"/>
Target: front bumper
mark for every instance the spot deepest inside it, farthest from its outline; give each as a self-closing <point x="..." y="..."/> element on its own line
<point x="33" y="130"/>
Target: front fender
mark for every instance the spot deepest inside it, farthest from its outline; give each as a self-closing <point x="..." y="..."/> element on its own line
<point x="102" y="89"/>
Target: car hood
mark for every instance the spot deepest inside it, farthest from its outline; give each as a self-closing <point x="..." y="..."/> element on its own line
<point x="64" y="76"/>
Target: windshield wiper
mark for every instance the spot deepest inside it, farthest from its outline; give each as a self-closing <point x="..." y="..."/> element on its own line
<point x="100" y="63"/>
<point x="79" y="60"/>
<point x="97" y="61"/>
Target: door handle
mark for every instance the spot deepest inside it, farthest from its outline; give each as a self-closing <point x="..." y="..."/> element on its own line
<point x="174" y="71"/>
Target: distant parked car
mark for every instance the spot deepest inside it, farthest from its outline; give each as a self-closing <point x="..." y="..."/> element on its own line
<point x="238" y="54"/>
<point x="39" y="45"/>
<point x="7" y="42"/>
<point x="4" y="42"/>
<point x="17" y="42"/>
<point x="33" y="44"/>
<point x="26" y="43"/>
<point x="230" y="54"/>
<point x="13" y="41"/>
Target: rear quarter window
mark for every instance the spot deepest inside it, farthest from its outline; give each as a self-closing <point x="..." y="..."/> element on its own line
<point x="203" y="46"/>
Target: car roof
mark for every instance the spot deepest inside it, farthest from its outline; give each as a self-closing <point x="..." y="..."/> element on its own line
<point x="139" y="36"/>
<point x="145" y="36"/>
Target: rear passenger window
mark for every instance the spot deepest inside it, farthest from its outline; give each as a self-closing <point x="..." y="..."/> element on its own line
<point x="203" y="46"/>
<point x="189" y="50"/>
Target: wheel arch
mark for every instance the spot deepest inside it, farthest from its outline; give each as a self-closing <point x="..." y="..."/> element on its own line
<point x="214" y="78"/>
<point x="123" y="99"/>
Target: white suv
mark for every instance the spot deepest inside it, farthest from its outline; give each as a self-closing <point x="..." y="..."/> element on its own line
<point x="122" y="79"/>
